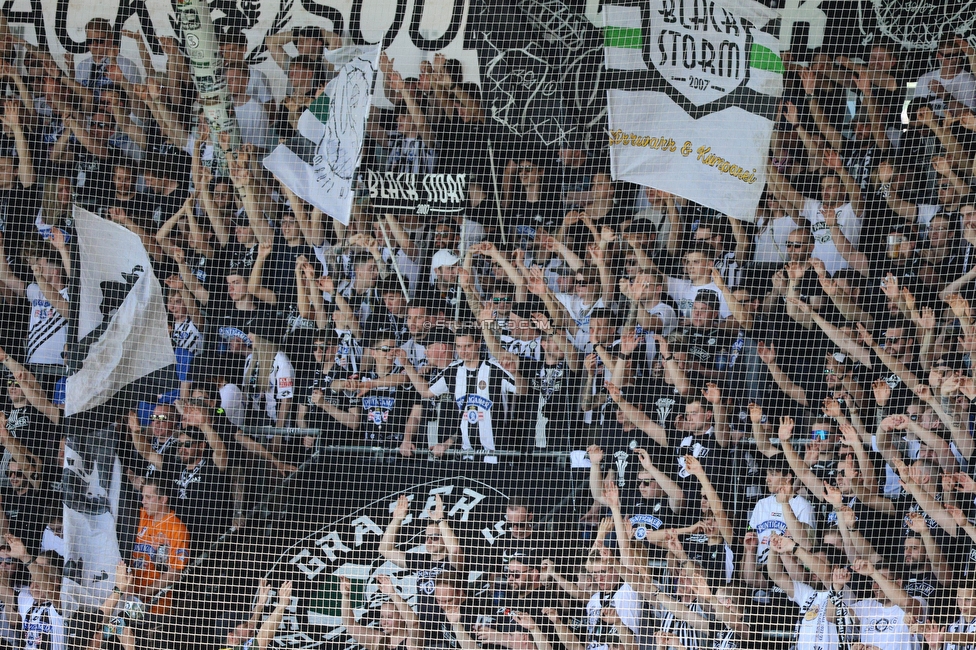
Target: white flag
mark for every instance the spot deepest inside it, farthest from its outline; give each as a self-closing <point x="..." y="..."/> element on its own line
<point x="320" y="165"/>
<point x="121" y="303"/>
<point x="694" y="110"/>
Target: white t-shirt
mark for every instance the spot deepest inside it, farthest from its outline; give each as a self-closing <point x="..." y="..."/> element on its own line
<point x="962" y="87"/>
<point x="884" y="626"/>
<point x="814" y="631"/>
<point x="960" y="626"/>
<point x="281" y="383"/>
<point x="580" y="313"/>
<point x="670" y="320"/>
<point x="43" y="626"/>
<point x="771" y="242"/>
<point x="767" y="518"/>
<point x="628" y="605"/>
<point x="683" y="292"/>
<point x="84" y="68"/>
<point x="232" y="401"/>
<point x="925" y="214"/>
<point x="259" y="87"/>
<point x="252" y="118"/>
<point x="824" y="248"/>
<point x="47" y="330"/>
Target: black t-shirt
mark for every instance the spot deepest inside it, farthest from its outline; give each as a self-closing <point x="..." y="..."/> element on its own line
<point x="712" y="553"/>
<point x="239" y="258"/>
<point x="660" y="401"/>
<point x="35" y="431"/>
<point x="499" y="613"/>
<point x="163" y="206"/>
<point x="525" y="219"/>
<point x="27" y="514"/>
<point x="382" y="321"/>
<point x="618" y="451"/>
<point x="332" y="431"/>
<point x="426" y="570"/>
<point x="552" y="406"/>
<point x="210" y="272"/>
<point x="713" y="459"/>
<point x="901" y="394"/>
<point x="93" y="180"/>
<point x="906" y="504"/>
<point x="649" y="515"/>
<point x="705" y="345"/>
<point x="279" y="269"/>
<point x="385" y="412"/>
<point x="202" y="498"/>
<point x="438" y="631"/>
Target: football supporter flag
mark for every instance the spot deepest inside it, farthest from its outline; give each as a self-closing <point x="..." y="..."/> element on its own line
<point x="91" y="484"/>
<point x="120" y="312"/>
<point x="694" y="98"/>
<point x="319" y="165"/>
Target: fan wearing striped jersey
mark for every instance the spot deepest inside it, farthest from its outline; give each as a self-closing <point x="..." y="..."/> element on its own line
<point x="482" y="390"/>
<point x="47" y="330"/>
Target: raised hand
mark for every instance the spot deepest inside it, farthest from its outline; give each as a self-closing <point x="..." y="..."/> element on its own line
<point x="882" y="391"/>
<point x="786" y="425"/>
<point x="402" y="507"/>
<point x="755" y="413"/>
<point x="595" y="453"/>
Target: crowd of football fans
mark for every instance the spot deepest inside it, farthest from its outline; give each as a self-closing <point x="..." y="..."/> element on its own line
<point x="766" y="422"/>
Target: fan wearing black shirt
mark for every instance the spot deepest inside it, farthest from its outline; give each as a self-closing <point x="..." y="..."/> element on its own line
<point x="195" y="474"/>
<point x="531" y="200"/>
<point x="893" y="361"/>
<point x="442" y="550"/>
<point x="390" y="408"/>
<point x="523" y="593"/>
<point x="390" y="319"/>
<point x="25" y="507"/>
<point x="33" y="419"/>
<point x="552" y="402"/>
<point x="17" y="198"/>
<point x="167" y="185"/>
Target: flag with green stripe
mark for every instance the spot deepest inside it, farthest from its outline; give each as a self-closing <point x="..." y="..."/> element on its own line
<point x="320" y="164"/>
<point x="693" y="98"/>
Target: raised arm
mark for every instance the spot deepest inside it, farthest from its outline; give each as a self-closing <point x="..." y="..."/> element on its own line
<point x="387" y="546"/>
<point x="267" y="631"/>
<point x="141" y="443"/>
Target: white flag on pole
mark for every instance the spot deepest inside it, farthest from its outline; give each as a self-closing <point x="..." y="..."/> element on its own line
<point x="121" y="305"/>
<point x="320" y="164"/>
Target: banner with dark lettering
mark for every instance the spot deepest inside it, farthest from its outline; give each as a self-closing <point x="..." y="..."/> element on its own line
<point x="422" y="194"/>
<point x="694" y="109"/>
<point x="409" y="31"/>
<point x="349" y="548"/>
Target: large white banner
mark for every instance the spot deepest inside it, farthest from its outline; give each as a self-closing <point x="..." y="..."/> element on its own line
<point x="694" y="110"/>
<point x="320" y="165"/>
<point x="120" y="305"/>
<point x="410" y="31"/>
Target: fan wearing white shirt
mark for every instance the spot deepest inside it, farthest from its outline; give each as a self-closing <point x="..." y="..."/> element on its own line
<point x="820" y="609"/>
<point x="698" y="264"/>
<point x="950" y="82"/>
<point x="834" y="219"/>
<point x="883" y="620"/>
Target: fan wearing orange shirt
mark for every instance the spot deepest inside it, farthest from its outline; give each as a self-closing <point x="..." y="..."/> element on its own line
<point x="162" y="547"/>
